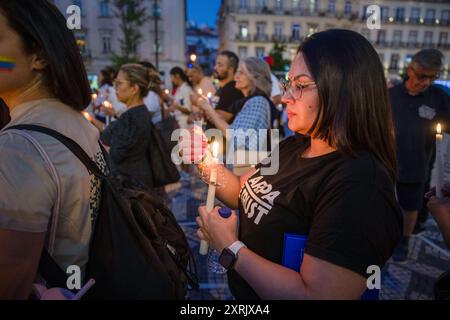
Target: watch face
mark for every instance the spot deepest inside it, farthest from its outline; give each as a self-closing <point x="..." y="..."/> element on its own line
<point x="227" y="258"/>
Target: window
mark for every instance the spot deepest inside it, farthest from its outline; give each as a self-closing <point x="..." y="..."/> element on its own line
<point x="412" y="37"/>
<point x="384" y="13"/>
<point x="312" y="28"/>
<point x="415" y="14"/>
<point x="279" y="5"/>
<point x="243" y="4"/>
<point x="261" y="4"/>
<point x="428" y="40"/>
<point x="400" y="14"/>
<point x="243" y="52"/>
<point x="297" y="4"/>
<point x="445" y="16"/>
<point x="313" y="5"/>
<point x="443" y="38"/>
<point x="278" y="29"/>
<point x="296" y="31"/>
<point x="260" y="28"/>
<point x="243" y="29"/>
<point x="431" y="14"/>
<point x="104" y="8"/>
<point x="106" y="44"/>
<point x="348" y="7"/>
<point x="394" y="61"/>
<point x="331" y="6"/>
<point x="397" y="37"/>
<point x="381" y="37"/>
<point x="260" y="52"/>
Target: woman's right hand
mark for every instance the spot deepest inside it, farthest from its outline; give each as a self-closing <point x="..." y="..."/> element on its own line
<point x="193" y="148"/>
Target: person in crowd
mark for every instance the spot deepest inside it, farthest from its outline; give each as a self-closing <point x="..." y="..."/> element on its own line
<point x="107" y="93"/>
<point x="227" y="96"/>
<point x="201" y="82"/>
<point x="154" y="97"/>
<point x="336" y="186"/>
<point x="128" y="138"/>
<point x="253" y="79"/>
<point x="181" y="104"/>
<point x="440" y="210"/>
<point x="418" y="107"/>
<point x="4" y="114"/>
<point x="48" y="87"/>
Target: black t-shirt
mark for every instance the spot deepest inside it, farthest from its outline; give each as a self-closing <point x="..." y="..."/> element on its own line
<point x="415" y="121"/>
<point x="228" y="95"/>
<point x="346" y="206"/>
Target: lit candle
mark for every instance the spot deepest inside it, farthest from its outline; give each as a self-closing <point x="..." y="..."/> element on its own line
<point x="439" y="164"/>
<point x="209" y="97"/>
<point x="107" y="104"/>
<point x="200" y="91"/>
<point x="211" y="192"/>
<point x="87" y="116"/>
<point x="167" y="91"/>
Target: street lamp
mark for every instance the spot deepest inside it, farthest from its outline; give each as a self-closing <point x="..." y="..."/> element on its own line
<point x="156" y="17"/>
<point x="193" y="58"/>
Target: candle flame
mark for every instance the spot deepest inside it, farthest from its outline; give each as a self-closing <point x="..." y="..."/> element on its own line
<point x="106" y="104"/>
<point x="439" y="129"/>
<point x="167" y="91"/>
<point x="215" y="147"/>
<point x="200" y="91"/>
<point x="94" y="96"/>
<point x="87" y="116"/>
<point x="209" y="95"/>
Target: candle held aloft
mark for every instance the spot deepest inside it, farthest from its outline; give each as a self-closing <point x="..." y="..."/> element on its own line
<point x="87" y="116"/>
<point x="211" y="191"/>
<point x="439" y="164"/>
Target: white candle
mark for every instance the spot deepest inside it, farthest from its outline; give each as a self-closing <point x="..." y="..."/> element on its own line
<point x="209" y="97"/>
<point x="211" y="192"/>
<point x="439" y="164"/>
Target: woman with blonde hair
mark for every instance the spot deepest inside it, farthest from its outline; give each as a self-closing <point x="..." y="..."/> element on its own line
<point x="128" y="137"/>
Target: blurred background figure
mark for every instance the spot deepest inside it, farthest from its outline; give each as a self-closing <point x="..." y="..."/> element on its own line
<point x="181" y="104"/>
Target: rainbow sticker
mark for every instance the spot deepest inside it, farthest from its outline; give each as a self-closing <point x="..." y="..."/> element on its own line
<point x="6" y="64"/>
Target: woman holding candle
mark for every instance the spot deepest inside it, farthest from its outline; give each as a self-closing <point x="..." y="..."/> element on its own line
<point x="48" y="87"/>
<point x="336" y="186"/>
<point x="128" y="137"/>
<point x="253" y="78"/>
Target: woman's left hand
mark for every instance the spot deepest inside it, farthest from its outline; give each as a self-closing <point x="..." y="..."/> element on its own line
<point x="219" y="232"/>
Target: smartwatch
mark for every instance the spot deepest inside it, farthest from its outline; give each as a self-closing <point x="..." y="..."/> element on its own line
<point x="229" y="255"/>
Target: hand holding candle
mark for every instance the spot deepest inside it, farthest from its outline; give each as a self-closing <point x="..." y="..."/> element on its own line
<point x="439" y="164"/>
<point x="211" y="191"/>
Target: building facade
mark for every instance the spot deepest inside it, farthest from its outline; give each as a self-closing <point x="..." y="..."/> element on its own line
<point x="251" y="27"/>
<point x="100" y="33"/>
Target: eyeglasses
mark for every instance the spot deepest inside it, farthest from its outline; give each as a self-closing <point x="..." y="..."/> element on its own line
<point x="119" y="82"/>
<point x="293" y="88"/>
<point x="423" y="77"/>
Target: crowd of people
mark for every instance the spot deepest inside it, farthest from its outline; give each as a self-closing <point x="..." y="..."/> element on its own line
<point x="354" y="168"/>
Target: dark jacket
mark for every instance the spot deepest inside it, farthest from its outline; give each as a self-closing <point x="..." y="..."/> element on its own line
<point x="128" y="138"/>
<point x="4" y="114"/>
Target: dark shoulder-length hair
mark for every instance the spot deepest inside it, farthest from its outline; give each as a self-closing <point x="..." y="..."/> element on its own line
<point x="355" y="111"/>
<point x="43" y="31"/>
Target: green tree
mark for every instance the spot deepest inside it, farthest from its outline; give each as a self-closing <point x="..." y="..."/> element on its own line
<point x="279" y="63"/>
<point x="132" y="15"/>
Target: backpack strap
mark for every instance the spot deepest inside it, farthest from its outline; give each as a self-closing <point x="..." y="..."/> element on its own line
<point x="48" y="269"/>
<point x="69" y="143"/>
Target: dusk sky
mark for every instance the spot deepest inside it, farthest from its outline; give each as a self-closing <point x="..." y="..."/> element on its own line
<point x="203" y="11"/>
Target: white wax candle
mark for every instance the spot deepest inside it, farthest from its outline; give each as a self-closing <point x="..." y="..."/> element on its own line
<point x="211" y="192"/>
<point x="439" y="164"/>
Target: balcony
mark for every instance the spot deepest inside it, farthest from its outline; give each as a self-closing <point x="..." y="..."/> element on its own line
<point x="443" y="46"/>
<point x="261" y="37"/>
<point x="279" y="38"/>
<point x="247" y="38"/>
